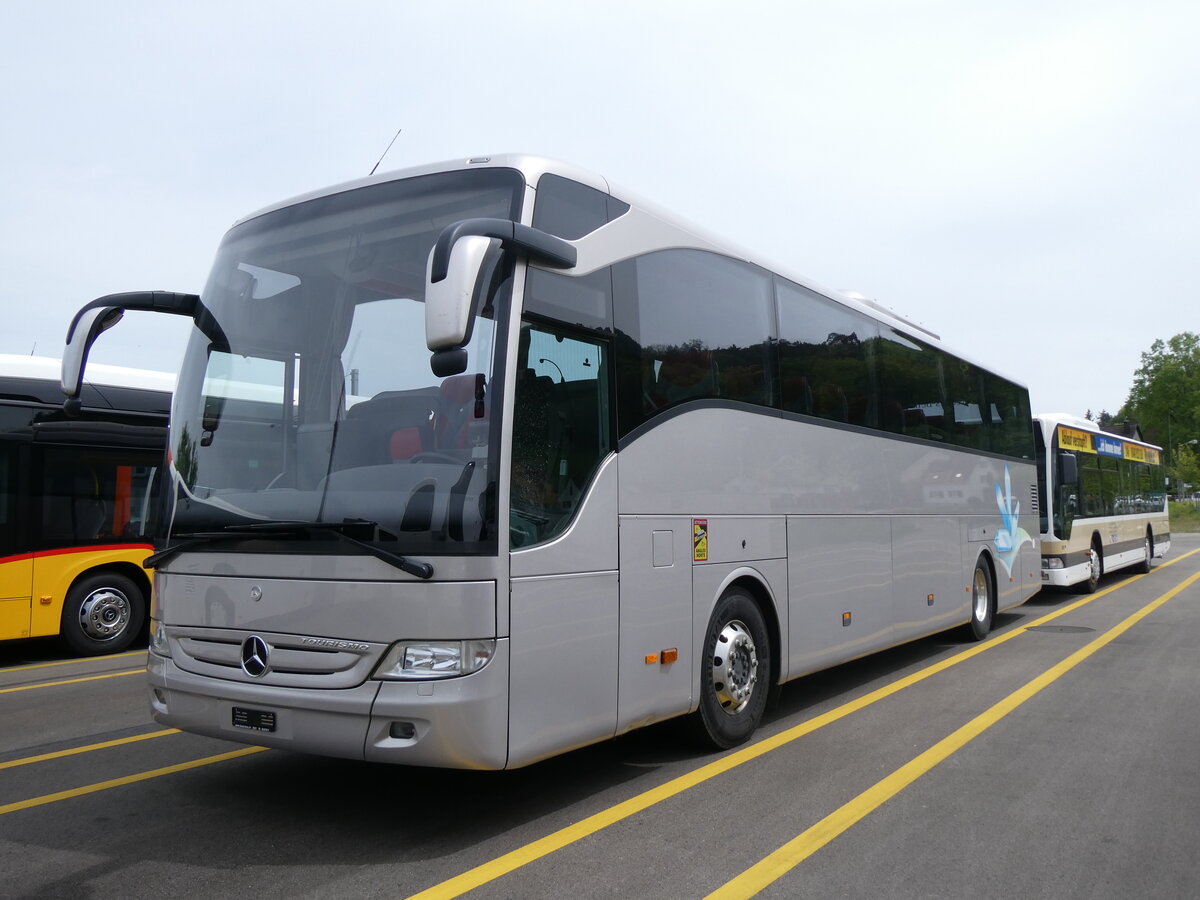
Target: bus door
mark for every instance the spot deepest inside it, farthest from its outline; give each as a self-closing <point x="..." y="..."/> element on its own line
<point x="563" y="530"/>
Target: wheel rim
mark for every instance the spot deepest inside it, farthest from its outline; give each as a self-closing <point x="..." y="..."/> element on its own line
<point x="981" y="595"/>
<point x="104" y="614"/>
<point x="734" y="667"/>
<point x="1148" y="552"/>
<point x="1093" y="565"/>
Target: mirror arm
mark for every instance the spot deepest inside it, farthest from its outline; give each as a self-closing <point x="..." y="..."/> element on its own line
<point x="114" y="306"/>
<point x="540" y="247"/>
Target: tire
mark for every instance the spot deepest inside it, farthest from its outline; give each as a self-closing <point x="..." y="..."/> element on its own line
<point x="1144" y="566"/>
<point x="736" y="666"/>
<point x="983" y="602"/>
<point x="103" y="613"/>
<point x="1096" y="570"/>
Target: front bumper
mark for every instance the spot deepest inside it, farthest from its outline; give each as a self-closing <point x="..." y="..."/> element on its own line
<point x="456" y="722"/>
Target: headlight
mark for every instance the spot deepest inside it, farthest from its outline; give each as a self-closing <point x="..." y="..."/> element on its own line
<point x="434" y="659"/>
<point x="158" y="639"/>
<point x="1051" y="562"/>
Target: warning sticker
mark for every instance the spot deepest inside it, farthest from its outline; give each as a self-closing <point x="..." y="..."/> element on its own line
<point x="699" y="540"/>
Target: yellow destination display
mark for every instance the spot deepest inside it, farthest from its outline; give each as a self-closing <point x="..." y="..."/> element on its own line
<point x="1136" y="453"/>
<point x="1071" y="439"/>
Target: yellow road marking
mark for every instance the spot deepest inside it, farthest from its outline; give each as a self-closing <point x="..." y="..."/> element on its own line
<point x="88" y="748"/>
<point x="67" y="662"/>
<point x="128" y="779"/>
<point x="776" y="865"/>
<point x="46" y="684"/>
<point x="522" y="856"/>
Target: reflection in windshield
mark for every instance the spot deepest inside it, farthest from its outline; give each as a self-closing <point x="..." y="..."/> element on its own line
<point x="323" y="408"/>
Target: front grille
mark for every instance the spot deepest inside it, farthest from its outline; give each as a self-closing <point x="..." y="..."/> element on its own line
<point x="291" y="662"/>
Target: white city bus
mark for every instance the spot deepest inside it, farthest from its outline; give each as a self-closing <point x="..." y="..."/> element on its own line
<point x="608" y="471"/>
<point x="1104" y="502"/>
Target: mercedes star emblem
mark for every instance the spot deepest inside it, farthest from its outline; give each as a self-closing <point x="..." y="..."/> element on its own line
<point x="255" y="652"/>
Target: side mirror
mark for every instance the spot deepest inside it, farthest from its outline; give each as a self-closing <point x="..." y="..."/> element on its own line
<point x="86" y="327"/>
<point x="455" y="276"/>
<point x="450" y="301"/>
<point x="1068" y="468"/>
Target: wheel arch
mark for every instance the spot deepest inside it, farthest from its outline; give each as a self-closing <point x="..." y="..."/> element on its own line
<point x="758" y="587"/>
<point x="990" y="562"/>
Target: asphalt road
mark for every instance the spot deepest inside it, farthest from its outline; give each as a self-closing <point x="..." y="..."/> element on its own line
<point x="1056" y="759"/>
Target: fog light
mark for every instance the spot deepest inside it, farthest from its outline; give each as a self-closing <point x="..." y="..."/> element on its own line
<point x="403" y="731"/>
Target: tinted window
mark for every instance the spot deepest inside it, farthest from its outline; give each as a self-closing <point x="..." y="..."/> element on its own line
<point x="561" y="429"/>
<point x="585" y="300"/>
<point x="14" y="537"/>
<point x="1011" y="425"/>
<point x="964" y="399"/>
<point x="698" y="327"/>
<point x="97" y="496"/>
<point x="570" y="210"/>
<point x="824" y="363"/>
<point x="911" y="400"/>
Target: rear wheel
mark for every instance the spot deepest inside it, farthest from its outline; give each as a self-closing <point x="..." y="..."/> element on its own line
<point x="103" y="613"/>
<point x="735" y="672"/>
<point x="1095" y="568"/>
<point x="1144" y="566"/>
<point x="983" y="603"/>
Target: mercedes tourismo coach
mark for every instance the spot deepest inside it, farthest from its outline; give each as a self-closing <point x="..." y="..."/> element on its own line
<point x="480" y="462"/>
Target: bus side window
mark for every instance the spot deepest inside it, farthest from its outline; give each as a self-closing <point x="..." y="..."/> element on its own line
<point x="561" y="430"/>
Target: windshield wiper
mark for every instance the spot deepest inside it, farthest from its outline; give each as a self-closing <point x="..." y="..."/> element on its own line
<point x="259" y="529"/>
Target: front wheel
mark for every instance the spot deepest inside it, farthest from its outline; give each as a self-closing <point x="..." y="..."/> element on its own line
<point x="983" y="603"/>
<point x="735" y="672"/>
<point x="103" y="613"/>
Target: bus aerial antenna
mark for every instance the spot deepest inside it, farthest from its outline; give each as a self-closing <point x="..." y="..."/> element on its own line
<point x="385" y="152"/>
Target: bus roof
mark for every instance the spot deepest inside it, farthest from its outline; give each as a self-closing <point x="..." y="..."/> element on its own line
<point x="49" y="369"/>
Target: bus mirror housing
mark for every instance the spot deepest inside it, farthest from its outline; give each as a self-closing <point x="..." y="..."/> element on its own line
<point x="103" y="313"/>
<point x="460" y="267"/>
<point x="449" y="301"/>
<point x="1068" y="468"/>
<point x="87" y="325"/>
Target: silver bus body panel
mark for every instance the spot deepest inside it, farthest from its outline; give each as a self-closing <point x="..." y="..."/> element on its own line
<point x="875" y="526"/>
<point x="368" y="611"/>
<point x="564" y="611"/>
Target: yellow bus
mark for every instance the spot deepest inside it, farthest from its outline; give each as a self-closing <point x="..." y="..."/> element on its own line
<point x="78" y="502"/>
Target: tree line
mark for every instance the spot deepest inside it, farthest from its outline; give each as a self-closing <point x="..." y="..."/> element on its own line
<point x="1164" y="402"/>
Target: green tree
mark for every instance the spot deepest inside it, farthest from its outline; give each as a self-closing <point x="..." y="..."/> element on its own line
<point x="1185" y="473"/>
<point x="1165" y="397"/>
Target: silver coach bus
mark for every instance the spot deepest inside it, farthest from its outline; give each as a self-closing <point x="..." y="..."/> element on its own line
<point x="480" y="462"/>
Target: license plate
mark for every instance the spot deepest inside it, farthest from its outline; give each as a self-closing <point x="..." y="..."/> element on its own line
<point x="253" y="719"/>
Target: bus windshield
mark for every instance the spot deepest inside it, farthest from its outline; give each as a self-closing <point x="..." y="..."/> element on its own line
<point x="321" y="407"/>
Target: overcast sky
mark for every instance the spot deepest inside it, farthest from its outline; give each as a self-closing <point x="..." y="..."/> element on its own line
<point x="1019" y="177"/>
